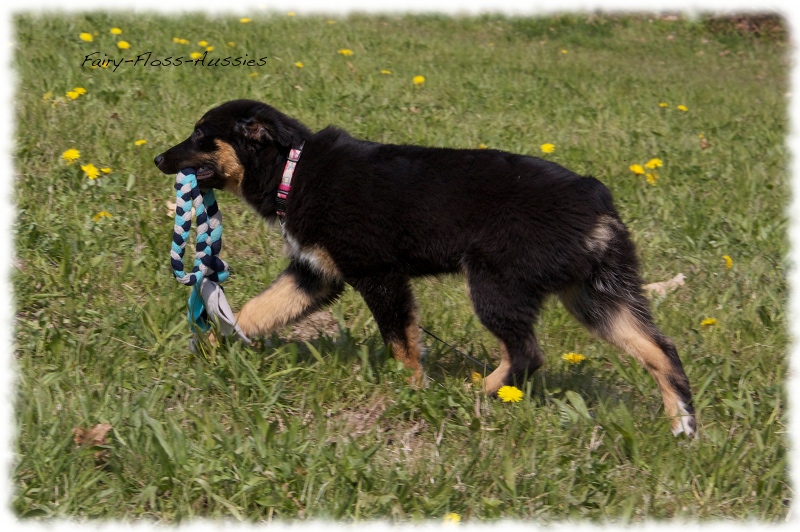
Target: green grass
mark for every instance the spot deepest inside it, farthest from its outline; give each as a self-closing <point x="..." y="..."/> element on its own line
<point x="328" y="428"/>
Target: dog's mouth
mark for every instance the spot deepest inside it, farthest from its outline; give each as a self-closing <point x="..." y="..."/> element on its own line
<point x="204" y="172"/>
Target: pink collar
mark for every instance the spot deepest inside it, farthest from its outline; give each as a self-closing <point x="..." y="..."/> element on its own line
<point x="286" y="180"/>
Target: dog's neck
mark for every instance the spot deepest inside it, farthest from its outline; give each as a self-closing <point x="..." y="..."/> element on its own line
<point x="265" y="198"/>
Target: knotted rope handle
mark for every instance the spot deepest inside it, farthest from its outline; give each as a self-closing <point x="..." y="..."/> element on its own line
<point x="207" y="263"/>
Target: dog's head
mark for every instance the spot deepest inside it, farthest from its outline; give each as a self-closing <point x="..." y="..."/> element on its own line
<point x="238" y="138"/>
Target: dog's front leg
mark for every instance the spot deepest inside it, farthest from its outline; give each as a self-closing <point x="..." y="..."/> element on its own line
<point x="295" y="293"/>
<point x="392" y="304"/>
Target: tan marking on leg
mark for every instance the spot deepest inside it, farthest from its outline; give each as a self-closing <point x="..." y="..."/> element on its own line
<point x="496" y="379"/>
<point x="627" y="334"/>
<point x="601" y="234"/>
<point x="315" y="256"/>
<point x="230" y="167"/>
<point x="281" y="303"/>
<point x="320" y="261"/>
<point x="408" y="351"/>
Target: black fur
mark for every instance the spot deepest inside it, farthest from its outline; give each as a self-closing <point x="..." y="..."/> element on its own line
<point x="519" y="227"/>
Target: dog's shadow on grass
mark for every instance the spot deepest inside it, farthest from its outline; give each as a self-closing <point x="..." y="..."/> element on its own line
<point x="551" y="380"/>
<point x="355" y="351"/>
<point x="341" y="348"/>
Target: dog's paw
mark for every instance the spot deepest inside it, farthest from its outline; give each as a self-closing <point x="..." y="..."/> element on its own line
<point x="419" y="379"/>
<point x="684" y="423"/>
<point x="212" y="339"/>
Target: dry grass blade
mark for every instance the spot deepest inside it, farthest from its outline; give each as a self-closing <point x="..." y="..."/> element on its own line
<point x="661" y="288"/>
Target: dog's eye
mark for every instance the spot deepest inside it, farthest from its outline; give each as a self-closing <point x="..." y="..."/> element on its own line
<point x="197" y="134"/>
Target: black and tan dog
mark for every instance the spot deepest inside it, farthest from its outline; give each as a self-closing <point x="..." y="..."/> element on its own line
<point x="375" y="215"/>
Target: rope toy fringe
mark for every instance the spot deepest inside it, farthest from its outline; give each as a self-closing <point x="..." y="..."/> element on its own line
<point x="207" y="300"/>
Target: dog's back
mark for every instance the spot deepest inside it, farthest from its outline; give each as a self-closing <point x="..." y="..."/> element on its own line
<point x="423" y="210"/>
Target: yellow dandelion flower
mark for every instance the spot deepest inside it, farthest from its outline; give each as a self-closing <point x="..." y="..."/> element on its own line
<point x="231" y="44"/>
<point x="252" y="74"/>
<point x="663" y="104"/>
<point x="708" y="322"/>
<point x="71" y="155"/>
<point x="344" y="52"/>
<point x="47" y="95"/>
<point x="651" y="178"/>
<point x="184" y="41"/>
<point x="573" y="358"/>
<point x="106" y="170"/>
<point x="116" y="31"/>
<point x="509" y="394"/>
<point x="72" y="95"/>
<point x="637" y="169"/>
<point x="86" y="37"/>
<point x="563" y="51"/>
<point x="418" y="80"/>
<point x="452" y="517"/>
<point x="209" y="48"/>
<point x="195" y="55"/>
<point x="476" y="377"/>
<point x="100" y="215"/>
<point x="482" y="146"/>
<point x="291" y="13"/>
<point x="331" y="22"/>
<point x="299" y="64"/>
<point x="245" y="20"/>
<point x="548" y="148"/>
<point x="386" y="72"/>
<point x="728" y="261"/>
<point x="123" y="45"/>
<point x="202" y="43"/>
<point x="683" y="108"/>
<point x="140" y="142"/>
<point x="176" y="40"/>
<point x="91" y="171"/>
<point x="654" y="163"/>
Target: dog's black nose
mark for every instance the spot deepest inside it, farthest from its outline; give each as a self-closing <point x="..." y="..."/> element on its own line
<point x="158" y="160"/>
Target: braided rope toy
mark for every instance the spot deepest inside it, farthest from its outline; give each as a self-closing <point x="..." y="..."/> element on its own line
<point x="207" y="301"/>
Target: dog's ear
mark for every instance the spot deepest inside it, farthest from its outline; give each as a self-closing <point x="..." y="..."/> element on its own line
<point x="254" y="129"/>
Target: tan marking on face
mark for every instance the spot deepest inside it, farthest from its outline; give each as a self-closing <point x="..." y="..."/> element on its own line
<point x="281" y="303"/>
<point x="601" y="234"/>
<point x="627" y="334"/>
<point x="228" y="164"/>
<point x="407" y="351"/>
<point x="496" y="379"/>
<point x="199" y="123"/>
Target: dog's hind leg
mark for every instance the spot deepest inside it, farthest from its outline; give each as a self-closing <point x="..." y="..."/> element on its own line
<point x="295" y="293"/>
<point x="611" y="305"/>
<point x="508" y="313"/>
<point x="392" y="304"/>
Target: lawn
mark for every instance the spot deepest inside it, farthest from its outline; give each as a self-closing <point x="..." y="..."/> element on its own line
<point x="317" y="422"/>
